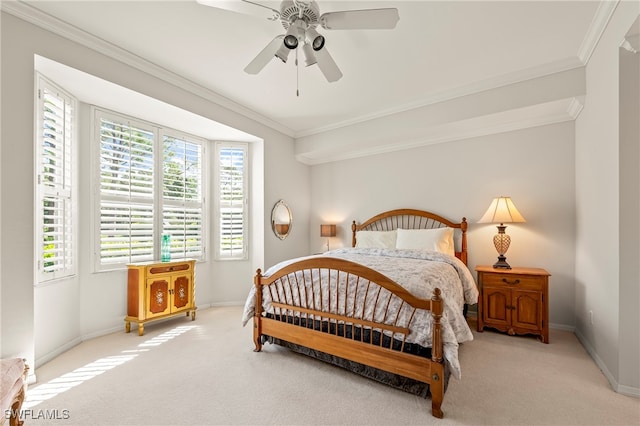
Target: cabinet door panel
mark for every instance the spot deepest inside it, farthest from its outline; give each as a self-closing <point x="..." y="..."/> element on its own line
<point x="158" y="296"/>
<point x="528" y="309"/>
<point x="181" y="290"/>
<point x="496" y="303"/>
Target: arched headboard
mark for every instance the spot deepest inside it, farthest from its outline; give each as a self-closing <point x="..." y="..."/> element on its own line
<point x="413" y="219"/>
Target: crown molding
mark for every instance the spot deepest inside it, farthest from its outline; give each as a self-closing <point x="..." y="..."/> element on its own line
<point x="596" y="29"/>
<point x="534" y="116"/>
<point x="47" y="22"/>
<point x="466" y="90"/>
<point x="575" y="107"/>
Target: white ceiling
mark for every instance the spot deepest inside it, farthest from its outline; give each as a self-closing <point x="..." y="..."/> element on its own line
<point x="437" y="48"/>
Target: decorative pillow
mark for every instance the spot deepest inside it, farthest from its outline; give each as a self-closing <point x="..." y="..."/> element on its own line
<point x="439" y="239"/>
<point x="376" y="239"/>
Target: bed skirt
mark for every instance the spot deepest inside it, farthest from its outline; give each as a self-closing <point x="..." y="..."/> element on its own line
<point x="394" y="380"/>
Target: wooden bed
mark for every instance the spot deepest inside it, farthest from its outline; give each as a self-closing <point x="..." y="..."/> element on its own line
<point x="302" y="320"/>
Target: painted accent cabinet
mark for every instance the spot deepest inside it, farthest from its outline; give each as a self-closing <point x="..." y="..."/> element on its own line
<point x="158" y="290"/>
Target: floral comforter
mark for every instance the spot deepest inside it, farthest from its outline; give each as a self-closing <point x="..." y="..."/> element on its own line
<point x="419" y="272"/>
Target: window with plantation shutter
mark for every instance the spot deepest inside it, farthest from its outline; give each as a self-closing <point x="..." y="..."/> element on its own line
<point x="151" y="183"/>
<point x="126" y="190"/>
<point x="232" y="198"/>
<point x="182" y="198"/>
<point x="55" y="182"/>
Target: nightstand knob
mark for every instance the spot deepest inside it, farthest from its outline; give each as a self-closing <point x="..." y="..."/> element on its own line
<point x="506" y="281"/>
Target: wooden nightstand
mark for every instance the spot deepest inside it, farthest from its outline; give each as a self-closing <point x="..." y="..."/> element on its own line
<point x="514" y="300"/>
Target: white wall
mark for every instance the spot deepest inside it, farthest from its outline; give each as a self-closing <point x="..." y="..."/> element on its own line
<point x="39" y="324"/>
<point x="629" y="214"/>
<point x="598" y="201"/>
<point x="455" y="179"/>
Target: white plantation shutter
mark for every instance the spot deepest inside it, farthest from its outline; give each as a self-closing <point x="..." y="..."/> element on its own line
<point x="126" y="190"/>
<point x="232" y="197"/>
<point x="182" y="196"/>
<point x="55" y="184"/>
<point x="151" y="182"/>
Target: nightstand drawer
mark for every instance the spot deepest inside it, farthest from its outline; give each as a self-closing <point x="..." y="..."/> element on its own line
<point x="519" y="281"/>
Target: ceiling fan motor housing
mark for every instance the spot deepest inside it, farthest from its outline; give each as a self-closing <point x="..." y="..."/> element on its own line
<point x="292" y="10"/>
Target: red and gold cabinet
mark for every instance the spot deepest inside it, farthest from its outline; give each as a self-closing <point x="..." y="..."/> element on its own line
<point x="157" y="290"/>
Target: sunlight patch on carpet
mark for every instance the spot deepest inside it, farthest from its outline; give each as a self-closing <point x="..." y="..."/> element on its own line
<point x="61" y="384"/>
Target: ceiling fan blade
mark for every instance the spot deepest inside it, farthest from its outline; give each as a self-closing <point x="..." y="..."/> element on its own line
<point x="244" y="6"/>
<point x="328" y="65"/>
<point x="367" y="19"/>
<point x="264" y="56"/>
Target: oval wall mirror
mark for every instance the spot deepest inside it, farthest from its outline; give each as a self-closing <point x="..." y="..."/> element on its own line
<point x="281" y="219"/>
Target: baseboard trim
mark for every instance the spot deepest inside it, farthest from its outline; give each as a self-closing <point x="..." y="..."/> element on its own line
<point x="563" y="327"/>
<point x="629" y="391"/>
<point x="617" y="387"/>
<point x="59" y="351"/>
<point x="102" y="332"/>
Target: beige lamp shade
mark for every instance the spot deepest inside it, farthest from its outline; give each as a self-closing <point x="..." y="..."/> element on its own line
<point x="502" y="210"/>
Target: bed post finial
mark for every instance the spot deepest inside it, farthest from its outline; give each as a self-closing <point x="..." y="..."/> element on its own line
<point x="353" y="234"/>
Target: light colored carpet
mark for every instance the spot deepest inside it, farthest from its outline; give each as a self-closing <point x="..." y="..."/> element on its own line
<point x="205" y="372"/>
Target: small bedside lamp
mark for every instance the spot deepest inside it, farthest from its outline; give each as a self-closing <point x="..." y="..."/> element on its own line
<point x="327" y="231"/>
<point x="502" y="210"/>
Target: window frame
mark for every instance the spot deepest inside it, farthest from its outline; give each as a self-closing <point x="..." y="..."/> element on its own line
<point x="68" y="191"/>
<point x="244" y="253"/>
<point x="97" y="113"/>
<point x="204" y="179"/>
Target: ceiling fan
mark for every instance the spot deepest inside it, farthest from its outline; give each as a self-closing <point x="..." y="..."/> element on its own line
<point x="300" y="18"/>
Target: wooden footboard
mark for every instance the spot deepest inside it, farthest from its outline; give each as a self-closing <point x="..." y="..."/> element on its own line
<point x="313" y="303"/>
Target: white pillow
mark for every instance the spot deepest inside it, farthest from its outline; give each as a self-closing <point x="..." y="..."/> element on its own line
<point x="376" y="239"/>
<point x="439" y="239"/>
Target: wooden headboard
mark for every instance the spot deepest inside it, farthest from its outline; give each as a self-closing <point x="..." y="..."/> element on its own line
<point x="412" y="219"/>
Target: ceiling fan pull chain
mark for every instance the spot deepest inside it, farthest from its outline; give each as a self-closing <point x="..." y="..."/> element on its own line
<point x="297" y="76"/>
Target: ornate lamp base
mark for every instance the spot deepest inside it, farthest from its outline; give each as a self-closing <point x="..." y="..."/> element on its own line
<point x="501" y="241"/>
<point x="502" y="263"/>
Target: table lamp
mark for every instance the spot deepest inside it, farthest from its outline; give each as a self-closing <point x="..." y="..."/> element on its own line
<point x="327" y="231"/>
<point x="502" y="210"/>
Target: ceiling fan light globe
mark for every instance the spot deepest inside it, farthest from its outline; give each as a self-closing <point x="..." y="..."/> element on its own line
<point x="291" y="42"/>
<point x="318" y="43"/>
<point x="316" y="40"/>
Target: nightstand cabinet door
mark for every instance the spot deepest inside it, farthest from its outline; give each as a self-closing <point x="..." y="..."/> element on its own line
<point x="514" y="300"/>
<point x="497" y="304"/>
<point x="527" y="306"/>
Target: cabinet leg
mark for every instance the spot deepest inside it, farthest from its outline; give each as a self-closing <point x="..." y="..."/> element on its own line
<point x="140" y="329"/>
<point x="127" y="327"/>
<point x="193" y="315"/>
